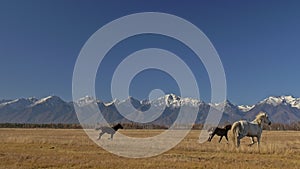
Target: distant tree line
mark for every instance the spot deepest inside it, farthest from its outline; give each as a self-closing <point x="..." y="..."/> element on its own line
<point x="275" y="126"/>
<point x="28" y="125"/>
<point x="143" y="126"/>
<point x="279" y="126"/>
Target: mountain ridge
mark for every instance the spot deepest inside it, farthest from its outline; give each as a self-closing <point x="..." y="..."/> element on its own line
<point x="52" y="109"/>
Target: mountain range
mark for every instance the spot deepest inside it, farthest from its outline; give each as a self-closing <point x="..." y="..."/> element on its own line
<point x="52" y="109"/>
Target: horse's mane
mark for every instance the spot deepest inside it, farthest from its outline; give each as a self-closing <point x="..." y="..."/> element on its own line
<point x="259" y="117"/>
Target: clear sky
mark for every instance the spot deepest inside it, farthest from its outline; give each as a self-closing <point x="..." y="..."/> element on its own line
<point x="257" y="41"/>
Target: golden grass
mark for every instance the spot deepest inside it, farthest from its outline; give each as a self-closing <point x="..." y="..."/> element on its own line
<point x="58" y="148"/>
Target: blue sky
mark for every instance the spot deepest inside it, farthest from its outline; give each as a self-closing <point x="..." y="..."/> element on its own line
<point x="258" y="43"/>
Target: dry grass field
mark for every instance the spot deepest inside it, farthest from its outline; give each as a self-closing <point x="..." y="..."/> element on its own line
<point x="67" y="148"/>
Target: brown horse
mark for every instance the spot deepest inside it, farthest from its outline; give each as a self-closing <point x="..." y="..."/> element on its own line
<point x="220" y="132"/>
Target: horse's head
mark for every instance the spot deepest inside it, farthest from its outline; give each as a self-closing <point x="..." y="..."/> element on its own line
<point x="263" y="117"/>
<point x="228" y="127"/>
<point x="119" y="126"/>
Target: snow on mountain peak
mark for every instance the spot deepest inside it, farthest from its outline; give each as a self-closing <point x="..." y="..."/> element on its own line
<point x="277" y="100"/>
<point x="191" y="101"/>
<point x="245" y="108"/>
<point x="294" y="102"/>
<point x="86" y="100"/>
<point x="172" y="100"/>
<point x="19" y="102"/>
<point x="43" y="99"/>
<point x="111" y="103"/>
<point x="225" y="103"/>
<point x="4" y="101"/>
<point x="10" y="102"/>
<point x="272" y="100"/>
<point x="288" y="98"/>
<point x="52" y="99"/>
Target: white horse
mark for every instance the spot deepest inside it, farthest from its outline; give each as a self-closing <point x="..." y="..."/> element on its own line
<point x="251" y="129"/>
<point x="109" y="130"/>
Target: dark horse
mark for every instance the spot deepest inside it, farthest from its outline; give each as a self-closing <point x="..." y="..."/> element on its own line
<point x="109" y="130"/>
<point x="220" y="132"/>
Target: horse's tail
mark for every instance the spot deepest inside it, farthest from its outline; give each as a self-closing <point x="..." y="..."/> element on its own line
<point x="235" y="128"/>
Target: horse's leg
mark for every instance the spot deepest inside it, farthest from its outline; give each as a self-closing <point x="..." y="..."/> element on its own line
<point x="238" y="142"/>
<point x="239" y="137"/>
<point x="211" y="137"/>
<point x="258" y="141"/>
<point x="226" y="137"/>
<point x="220" y="139"/>
<point x="252" y="141"/>
<point x="100" y="135"/>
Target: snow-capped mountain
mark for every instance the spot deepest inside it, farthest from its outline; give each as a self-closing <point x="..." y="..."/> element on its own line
<point x="171" y="100"/>
<point x="281" y="109"/>
<point x="18" y="102"/>
<point x="287" y="100"/>
<point x="231" y="111"/>
<point x="4" y="101"/>
<point x="52" y="109"/>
